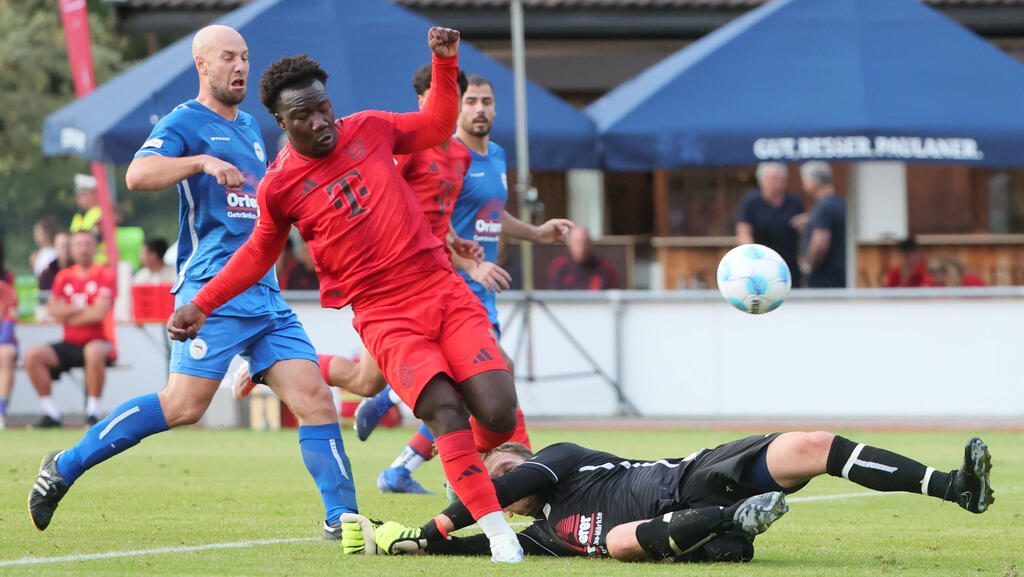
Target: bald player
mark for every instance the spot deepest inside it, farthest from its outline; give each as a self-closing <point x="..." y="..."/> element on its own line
<point x="215" y="155"/>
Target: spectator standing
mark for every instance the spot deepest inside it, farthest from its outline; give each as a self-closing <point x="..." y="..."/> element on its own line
<point x="772" y="216"/>
<point x="154" y="270"/>
<point x="912" y="270"/>
<point x="582" y="269"/>
<point x="62" y="246"/>
<point x="8" y="342"/>
<point x="825" y="256"/>
<point x="91" y="215"/>
<point x="43" y="232"/>
<point x="82" y="296"/>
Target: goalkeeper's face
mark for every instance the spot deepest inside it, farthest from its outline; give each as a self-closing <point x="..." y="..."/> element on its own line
<point x="500" y="463"/>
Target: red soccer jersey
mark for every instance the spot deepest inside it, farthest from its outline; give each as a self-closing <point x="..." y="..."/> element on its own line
<point x="82" y="291"/>
<point x="365" y="229"/>
<point x="435" y="176"/>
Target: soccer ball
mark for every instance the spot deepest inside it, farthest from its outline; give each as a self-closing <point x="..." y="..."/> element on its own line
<point x="754" y="278"/>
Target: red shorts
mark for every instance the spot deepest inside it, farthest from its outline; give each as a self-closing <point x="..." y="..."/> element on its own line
<point x="430" y="326"/>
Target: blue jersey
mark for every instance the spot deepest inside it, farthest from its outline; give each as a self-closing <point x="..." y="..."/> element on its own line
<point x="214" y="221"/>
<point x="477" y="212"/>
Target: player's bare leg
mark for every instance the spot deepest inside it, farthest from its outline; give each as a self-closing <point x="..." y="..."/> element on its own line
<point x="441" y="408"/>
<point x="363" y="378"/>
<point x="794" y="458"/>
<point x="186" y="398"/>
<point x="491" y="398"/>
<point x="297" y="382"/>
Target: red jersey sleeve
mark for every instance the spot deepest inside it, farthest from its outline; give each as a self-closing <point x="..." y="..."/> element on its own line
<point x="254" y="258"/>
<point x="434" y="124"/>
<point x="107" y="288"/>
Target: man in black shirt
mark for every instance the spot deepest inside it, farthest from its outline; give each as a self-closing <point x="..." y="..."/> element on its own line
<point x="704" y="507"/>
<point x="772" y="216"/>
<point x="825" y="252"/>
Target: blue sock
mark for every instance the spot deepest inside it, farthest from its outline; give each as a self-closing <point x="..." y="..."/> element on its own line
<point x="425" y="431"/>
<point x="325" y="458"/>
<point x="3" y="406"/>
<point x="122" y="429"/>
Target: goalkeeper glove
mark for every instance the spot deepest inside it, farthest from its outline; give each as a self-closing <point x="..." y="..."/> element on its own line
<point x="395" y="539"/>
<point x="357" y="534"/>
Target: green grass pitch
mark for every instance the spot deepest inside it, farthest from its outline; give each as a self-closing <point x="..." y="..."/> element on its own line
<point x="189" y="488"/>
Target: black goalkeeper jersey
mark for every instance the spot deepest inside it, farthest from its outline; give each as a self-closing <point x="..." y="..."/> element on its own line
<point x="588" y="492"/>
<point x="578" y="506"/>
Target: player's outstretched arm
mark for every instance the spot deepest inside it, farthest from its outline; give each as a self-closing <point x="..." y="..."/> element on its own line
<point x="156" y="172"/>
<point x="435" y="123"/>
<point x="554" y="230"/>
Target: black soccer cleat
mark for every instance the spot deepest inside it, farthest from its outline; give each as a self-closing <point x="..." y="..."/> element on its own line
<point x="757" y="513"/>
<point x="970" y="486"/>
<point x="47" y="491"/>
<point x="48" y="422"/>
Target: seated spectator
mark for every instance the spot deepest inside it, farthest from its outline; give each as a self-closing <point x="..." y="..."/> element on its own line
<point x="582" y="269"/>
<point x="81" y="298"/>
<point x="947" y="270"/>
<point x="8" y="342"/>
<point x="285" y="263"/>
<point x="302" y="276"/>
<point x="62" y="245"/>
<point x="153" y="270"/>
<point x="912" y="270"/>
<point x="43" y="232"/>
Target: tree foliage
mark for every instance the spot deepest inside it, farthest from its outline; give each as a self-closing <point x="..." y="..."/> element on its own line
<point x="35" y="80"/>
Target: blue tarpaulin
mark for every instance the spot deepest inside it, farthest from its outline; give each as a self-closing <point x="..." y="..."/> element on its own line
<point x="371" y="48"/>
<point x="836" y="80"/>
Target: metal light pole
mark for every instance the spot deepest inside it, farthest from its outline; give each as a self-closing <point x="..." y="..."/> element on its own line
<point x="527" y="196"/>
<point x="522" y="164"/>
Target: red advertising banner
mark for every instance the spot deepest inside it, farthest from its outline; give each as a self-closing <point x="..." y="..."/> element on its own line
<point x="74" y="15"/>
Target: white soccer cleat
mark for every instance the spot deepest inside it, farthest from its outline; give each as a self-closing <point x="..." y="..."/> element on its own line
<point x="505" y="548"/>
<point x="241" y="384"/>
<point x="757" y="513"/>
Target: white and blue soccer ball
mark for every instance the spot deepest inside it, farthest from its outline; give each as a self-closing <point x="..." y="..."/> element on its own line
<point x="754" y="278"/>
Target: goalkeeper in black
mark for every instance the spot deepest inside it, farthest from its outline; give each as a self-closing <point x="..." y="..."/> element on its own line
<point x="704" y="507"/>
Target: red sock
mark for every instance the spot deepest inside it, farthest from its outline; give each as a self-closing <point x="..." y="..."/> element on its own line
<point x="466" y="473"/>
<point x="519" y="434"/>
<point x="325" y="367"/>
<point x="485" y="438"/>
<point x="422" y="445"/>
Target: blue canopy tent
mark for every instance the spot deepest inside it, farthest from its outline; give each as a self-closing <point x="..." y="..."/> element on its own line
<point x="371" y="48"/>
<point x="837" y="80"/>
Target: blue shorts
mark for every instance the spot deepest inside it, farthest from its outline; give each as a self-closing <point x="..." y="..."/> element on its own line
<point x="269" y="334"/>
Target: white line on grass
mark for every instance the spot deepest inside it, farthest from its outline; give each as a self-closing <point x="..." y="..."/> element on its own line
<point x="258" y="542"/>
<point x="116" y="554"/>
<point x="841" y="496"/>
